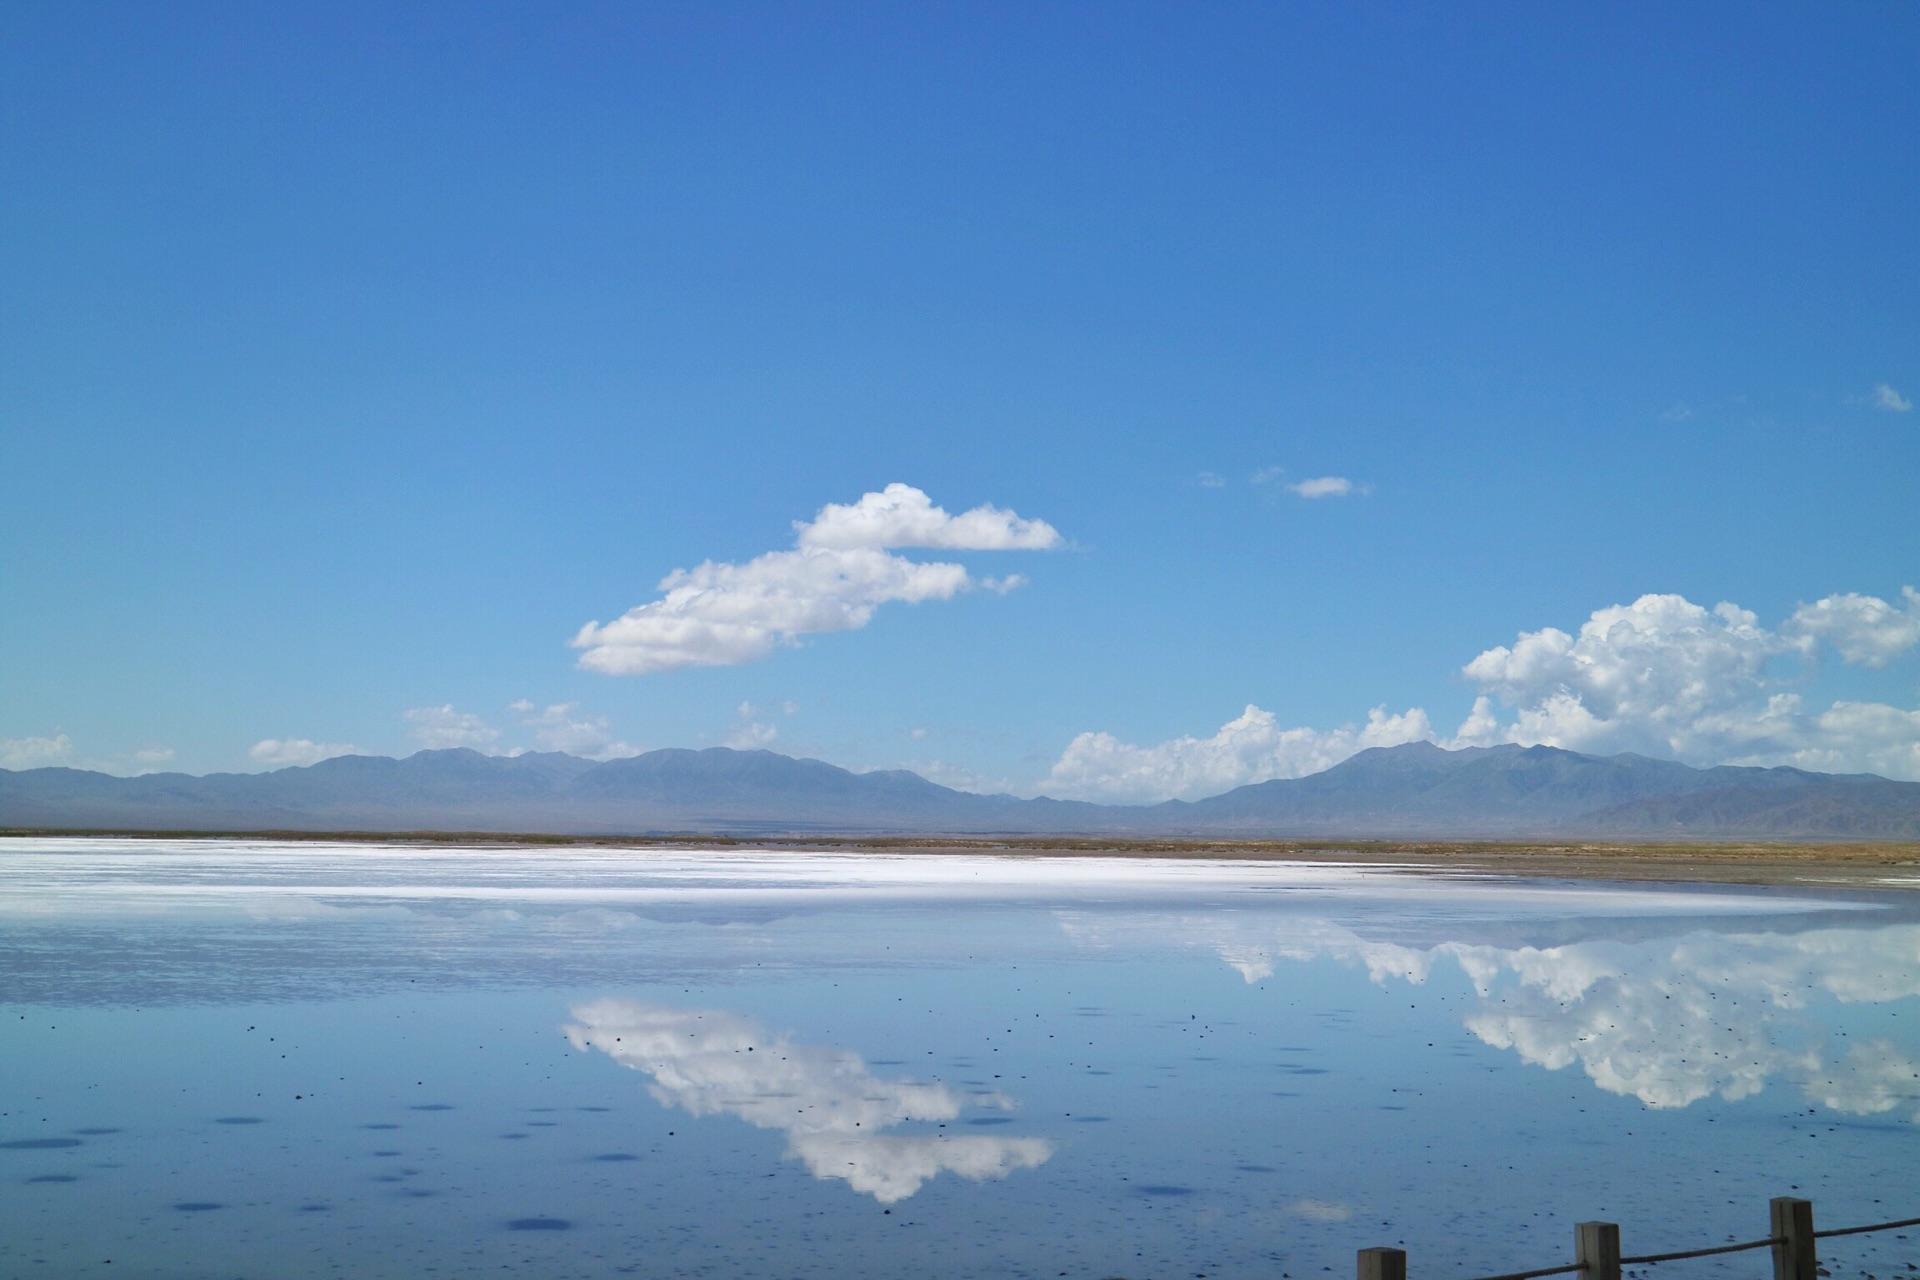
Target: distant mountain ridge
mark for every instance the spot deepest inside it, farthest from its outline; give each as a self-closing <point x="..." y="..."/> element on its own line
<point x="1418" y="789"/>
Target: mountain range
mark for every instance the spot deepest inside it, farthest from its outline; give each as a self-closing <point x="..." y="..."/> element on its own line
<point x="1417" y="789"/>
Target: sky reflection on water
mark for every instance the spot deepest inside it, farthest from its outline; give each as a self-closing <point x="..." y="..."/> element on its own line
<point x="686" y="1063"/>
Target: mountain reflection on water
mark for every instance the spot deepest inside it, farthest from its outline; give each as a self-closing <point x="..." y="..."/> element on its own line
<point x="833" y="1110"/>
<point x="1669" y="1021"/>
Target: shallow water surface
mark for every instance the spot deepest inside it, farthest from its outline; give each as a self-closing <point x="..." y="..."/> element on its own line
<point x="253" y="1059"/>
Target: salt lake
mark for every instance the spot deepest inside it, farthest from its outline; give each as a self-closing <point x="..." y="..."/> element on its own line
<point x="243" y="1058"/>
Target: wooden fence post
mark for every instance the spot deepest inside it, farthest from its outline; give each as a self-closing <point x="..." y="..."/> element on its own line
<point x="1383" y="1264"/>
<point x="1792" y="1222"/>
<point x="1596" y="1246"/>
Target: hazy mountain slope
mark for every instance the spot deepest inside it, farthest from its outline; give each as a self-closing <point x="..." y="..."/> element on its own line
<point x="1417" y="789"/>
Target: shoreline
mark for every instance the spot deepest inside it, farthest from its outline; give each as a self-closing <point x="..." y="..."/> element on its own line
<point x="1784" y="863"/>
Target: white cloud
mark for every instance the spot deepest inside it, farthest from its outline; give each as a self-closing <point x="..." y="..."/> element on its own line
<point x="563" y="726"/>
<point x="1266" y="475"/>
<point x="1212" y="480"/>
<point x="751" y="732"/>
<point x="1867" y="630"/>
<point x="1668" y="677"/>
<point x="1252" y="747"/>
<point x="280" y="753"/>
<point x="35" y="753"/>
<point x="153" y="757"/>
<point x="961" y="778"/>
<point x="440" y="727"/>
<point x="832" y="1109"/>
<point x="902" y="516"/>
<point x="841" y="570"/>
<point x="1327" y="487"/>
<point x="1885" y="397"/>
<point x="1663" y="676"/>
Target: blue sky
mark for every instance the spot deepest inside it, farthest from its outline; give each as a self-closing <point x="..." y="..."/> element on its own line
<point x="353" y="359"/>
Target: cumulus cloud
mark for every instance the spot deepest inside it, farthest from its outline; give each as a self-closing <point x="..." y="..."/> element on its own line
<point x="280" y="753"/>
<point x="1670" y="677"/>
<point x="832" y="1109"/>
<point x="1663" y="676"/>
<point x="440" y="727"/>
<point x="1867" y="630"/>
<point x="902" y="516"/>
<point x="753" y="725"/>
<point x="1885" y="397"/>
<point x="841" y="569"/>
<point x="35" y="753"/>
<point x="1252" y="747"/>
<point x="563" y="726"/>
<point x="1327" y="487"/>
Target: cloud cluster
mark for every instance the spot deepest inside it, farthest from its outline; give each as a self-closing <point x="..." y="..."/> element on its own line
<point x="1886" y="398"/>
<point x="1252" y="747"/>
<point x="832" y="1109"/>
<point x="1867" y="630"/>
<point x="282" y="753"/>
<point x="841" y="569"/>
<point x="437" y="728"/>
<point x="1669" y="677"/>
<point x="35" y="753"/>
<point x="753" y="727"/>
<point x="563" y="726"/>
<point x="1663" y="676"/>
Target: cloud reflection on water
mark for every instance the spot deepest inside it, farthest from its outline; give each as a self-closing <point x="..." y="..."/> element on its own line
<point x="1668" y="1021"/>
<point x="833" y="1110"/>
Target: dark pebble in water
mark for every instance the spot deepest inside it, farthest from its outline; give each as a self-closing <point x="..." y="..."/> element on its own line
<point x="1305" y="1071"/>
<point x="316" y="1208"/>
<point x="593" y="1108"/>
<point x="616" y="1157"/>
<point x="238" y="1120"/>
<point x="1391" y="1106"/>
<point x="432" y="1106"/>
<point x="513" y="1136"/>
<point x="381" y="1125"/>
<point x="539" y="1224"/>
<point x="1089" y="1119"/>
<point x="95" y="1133"/>
<point x="991" y="1120"/>
<point x="197" y="1206"/>
<point x="54" y="1177"/>
<point x="543" y="1124"/>
<point x="1156" y="1189"/>
<point x="382" y="1155"/>
<point x="1256" y="1168"/>
<point x="39" y="1144"/>
<point x="389" y="1177"/>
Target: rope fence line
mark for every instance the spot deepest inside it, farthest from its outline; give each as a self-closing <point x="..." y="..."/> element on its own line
<point x="1678" y="1254"/>
<point x="1597" y="1248"/>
